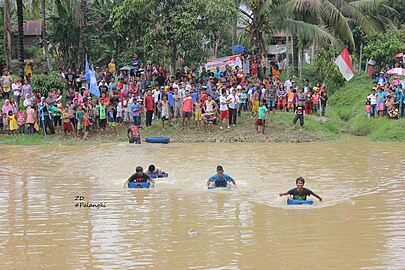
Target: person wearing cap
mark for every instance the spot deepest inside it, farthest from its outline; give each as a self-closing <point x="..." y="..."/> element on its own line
<point x="220" y="179"/>
<point x="139" y="177"/>
<point x="381" y="79"/>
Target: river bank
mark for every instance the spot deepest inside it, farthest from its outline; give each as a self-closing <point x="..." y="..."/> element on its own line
<point x="279" y="129"/>
<point x="345" y="115"/>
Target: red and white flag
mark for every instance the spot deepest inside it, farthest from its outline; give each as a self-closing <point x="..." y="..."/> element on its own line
<point x="345" y="65"/>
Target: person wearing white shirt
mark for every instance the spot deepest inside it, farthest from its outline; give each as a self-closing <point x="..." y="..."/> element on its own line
<point x="288" y="83"/>
<point x="223" y="108"/>
<point x="233" y="107"/>
<point x="373" y="102"/>
<point x="16" y="87"/>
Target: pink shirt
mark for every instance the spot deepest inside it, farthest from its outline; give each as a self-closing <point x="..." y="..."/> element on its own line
<point x="30" y="116"/>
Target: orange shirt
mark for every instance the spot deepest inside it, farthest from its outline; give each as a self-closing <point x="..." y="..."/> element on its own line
<point x="290" y="96"/>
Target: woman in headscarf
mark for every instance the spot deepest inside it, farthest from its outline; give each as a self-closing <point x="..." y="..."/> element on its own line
<point x="6" y="107"/>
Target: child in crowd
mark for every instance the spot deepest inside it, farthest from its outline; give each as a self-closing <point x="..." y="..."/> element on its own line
<point x="164" y="111"/>
<point x="12" y="120"/>
<point x="119" y="112"/>
<point x="197" y="113"/>
<point x="86" y="124"/>
<point x="111" y="114"/>
<point x="368" y="108"/>
<point x="80" y="121"/>
<point x="261" y="117"/>
<point x="315" y="101"/>
<point x="290" y="98"/>
<point x="5" y="123"/>
<point x="67" y="125"/>
<point x="21" y="121"/>
<point x="31" y="119"/>
<point x="299" y="115"/>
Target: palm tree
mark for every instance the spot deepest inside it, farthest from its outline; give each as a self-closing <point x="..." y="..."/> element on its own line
<point x="82" y="40"/>
<point x="7" y="32"/>
<point x="20" y="19"/>
<point x="44" y="40"/>
<point x="319" y="21"/>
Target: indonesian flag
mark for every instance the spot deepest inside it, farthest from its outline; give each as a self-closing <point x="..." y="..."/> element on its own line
<point x="345" y="65"/>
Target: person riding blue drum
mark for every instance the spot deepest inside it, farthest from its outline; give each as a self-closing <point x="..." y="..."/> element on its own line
<point x="139" y="177"/>
<point x="154" y="170"/>
<point x="299" y="193"/>
<point x="220" y="179"/>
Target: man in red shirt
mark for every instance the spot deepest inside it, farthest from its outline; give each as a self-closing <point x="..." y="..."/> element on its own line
<point x="149" y="107"/>
<point x="187" y="109"/>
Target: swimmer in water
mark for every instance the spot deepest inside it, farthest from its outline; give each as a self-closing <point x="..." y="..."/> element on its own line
<point x="299" y="193"/>
<point x="220" y="179"/>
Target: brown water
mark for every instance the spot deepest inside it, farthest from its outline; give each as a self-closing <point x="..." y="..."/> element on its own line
<point x="359" y="225"/>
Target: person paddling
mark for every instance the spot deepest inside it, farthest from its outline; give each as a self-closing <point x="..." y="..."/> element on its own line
<point x="220" y="179"/>
<point x="299" y="193"/>
<point x="139" y="177"/>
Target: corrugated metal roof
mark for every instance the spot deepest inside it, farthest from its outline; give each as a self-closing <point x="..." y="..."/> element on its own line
<point x="33" y="28"/>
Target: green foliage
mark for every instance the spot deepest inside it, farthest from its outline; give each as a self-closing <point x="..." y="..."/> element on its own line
<point x="43" y="83"/>
<point x="170" y="29"/>
<point x="64" y="33"/>
<point x="326" y="69"/>
<point x="383" y="47"/>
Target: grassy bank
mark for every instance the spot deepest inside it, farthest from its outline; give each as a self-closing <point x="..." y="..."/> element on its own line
<point x="347" y="106"/>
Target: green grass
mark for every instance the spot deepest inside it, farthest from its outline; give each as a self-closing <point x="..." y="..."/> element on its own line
<point x="348" y="104"/>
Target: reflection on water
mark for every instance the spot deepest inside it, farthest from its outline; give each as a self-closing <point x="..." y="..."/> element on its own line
<point x="359" y="225"/>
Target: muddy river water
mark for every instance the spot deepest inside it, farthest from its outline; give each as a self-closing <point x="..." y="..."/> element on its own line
<point x="360" y="224"/>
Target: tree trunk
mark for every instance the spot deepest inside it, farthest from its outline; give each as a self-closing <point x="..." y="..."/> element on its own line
<point x="82" y="41"/>
<point x="20" y="19"/>
<point x="302" y="61"/>
<point x="361" y="56"/>
<point x="7" y="32"/>
<point x="44" y="40"/>
<point x="295" y="54"/>
<point x="235" y="24"/>
<point x="173" y="59"/>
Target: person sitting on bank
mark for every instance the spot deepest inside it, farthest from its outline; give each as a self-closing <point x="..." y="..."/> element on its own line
<point x="220" y="179"/>
<point x="133" y="134"/>
<point x="139" y="177"/>
<point x="152" y="169"/>
<point x="299" y="193"/>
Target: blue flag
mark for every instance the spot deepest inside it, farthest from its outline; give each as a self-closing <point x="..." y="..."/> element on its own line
<point x="93" y="83"/>
<point x="87" y="69"/>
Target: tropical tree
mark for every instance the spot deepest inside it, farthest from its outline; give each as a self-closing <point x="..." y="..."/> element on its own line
<point x="319" y="21"/>
<point x="64" y="34"/>
<point x="20" y="19"/>
<point x="44" y="40"/>
<point x="7" y="32"/>
<point x="175" y="29"/>
<point x="83" y="26"/>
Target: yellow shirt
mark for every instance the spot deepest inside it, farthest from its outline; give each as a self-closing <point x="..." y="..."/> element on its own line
<point x="27" y="70"/>
<point x="111" y="67"/>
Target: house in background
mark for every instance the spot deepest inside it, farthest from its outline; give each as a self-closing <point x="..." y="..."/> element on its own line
<point x="32" y="36"/>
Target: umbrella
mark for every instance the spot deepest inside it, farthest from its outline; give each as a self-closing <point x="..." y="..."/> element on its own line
<point x="399" y="55"/>
<point x="397" y="71"/>
<point x="238" y="48"/>
<point x="127" y="68"/>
